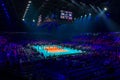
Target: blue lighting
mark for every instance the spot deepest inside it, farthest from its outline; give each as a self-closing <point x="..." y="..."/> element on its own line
<point x="46" y="53"/>
<point x="90" y="14"/>
<point x="5" y="11"/>
<point x="3" y="5"/>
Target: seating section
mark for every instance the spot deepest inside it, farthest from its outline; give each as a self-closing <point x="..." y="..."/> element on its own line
<point x="99" y="61"/>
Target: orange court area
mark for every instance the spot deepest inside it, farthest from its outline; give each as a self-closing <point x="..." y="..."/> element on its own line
<point x="54" y="49"/>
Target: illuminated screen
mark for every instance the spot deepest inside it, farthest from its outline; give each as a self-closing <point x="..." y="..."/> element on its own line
<point x="66" y="15"/>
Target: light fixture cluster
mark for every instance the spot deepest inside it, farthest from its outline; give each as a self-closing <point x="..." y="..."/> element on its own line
<point x="5" y="10"/>
<point x="86" y="15"/>
<point x="27" y="8"/>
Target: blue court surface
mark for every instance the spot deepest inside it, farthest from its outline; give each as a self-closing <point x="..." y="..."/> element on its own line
<point x="55" y="50"/>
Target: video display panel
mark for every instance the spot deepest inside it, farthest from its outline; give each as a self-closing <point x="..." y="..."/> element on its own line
<point x="66" y="15"/>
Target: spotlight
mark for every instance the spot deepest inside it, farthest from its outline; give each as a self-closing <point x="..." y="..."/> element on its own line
<point x="29" y="1"/>
<point x="28" y="5"/>
<point x="23" y="19"/>
<point x="81" y="16"/>
<point x="85" y="15"/>
<point x="108" y="14"/>
<point x="90" y="14"/>
<point x="105" y="9"/>
<point x="33" y="20"/>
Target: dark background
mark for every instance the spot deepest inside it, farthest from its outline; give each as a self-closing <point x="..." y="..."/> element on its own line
<point x="16" y="10"/>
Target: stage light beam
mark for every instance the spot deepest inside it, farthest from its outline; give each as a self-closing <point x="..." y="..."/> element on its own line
<point x="26" y="10"/>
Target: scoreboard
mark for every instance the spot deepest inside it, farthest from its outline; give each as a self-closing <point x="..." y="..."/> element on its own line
<point x="66" y="15"/>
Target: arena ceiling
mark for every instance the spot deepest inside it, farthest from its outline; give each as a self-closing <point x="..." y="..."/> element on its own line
<point x="46" y="6"/>
<point x="16" y="8"/>
<point x="79" y="7"/>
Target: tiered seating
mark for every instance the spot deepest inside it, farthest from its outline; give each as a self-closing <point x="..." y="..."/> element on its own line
<point x="99" y="61"/>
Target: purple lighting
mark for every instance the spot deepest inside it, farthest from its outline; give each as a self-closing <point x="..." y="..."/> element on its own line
<point x="108" y="14"/>
<point x="3" y="5"/>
